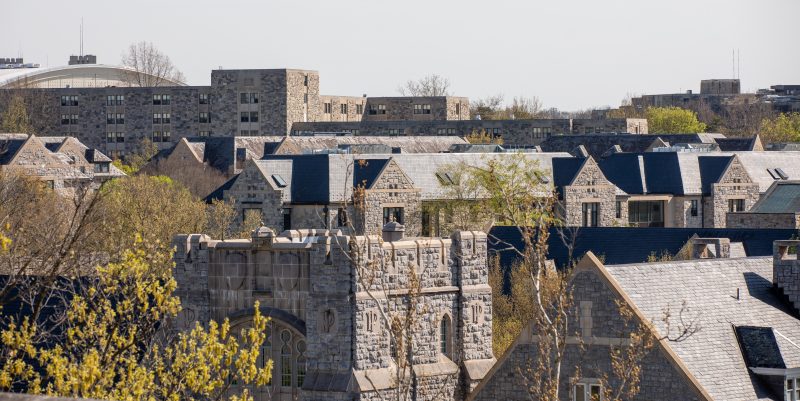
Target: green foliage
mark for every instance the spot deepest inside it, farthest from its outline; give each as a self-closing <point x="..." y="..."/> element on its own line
<point x="137" y="159"/>
<point x="673" y="120"/>
<point x="154" y="207"/>
<point x="783" y="128"/>
<point x="15" y="119"/>
<point x="114" y="346"/>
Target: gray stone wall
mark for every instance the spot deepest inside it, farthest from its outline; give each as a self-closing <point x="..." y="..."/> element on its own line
<point x="402" y="108"/>
<point x="393" y="189"/>
<point x="252" y="191"/>
<point x="734" y="184"/>
<point x="138" y="110"/>
<point x="682" y="211"/>
<point x="597" y="322"/>
<point x="590" y="186"/>
<point x="352" y="106"/>
<point x="309" y="280"/>
<point x="786" y="271"/>
<point x="513" y="132"/>
<point x="763" y="220"/>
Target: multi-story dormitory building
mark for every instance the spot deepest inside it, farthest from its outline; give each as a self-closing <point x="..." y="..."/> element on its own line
<point x="63" y="163"/>
<point x="666" y="187"/>
<point x="96" y="104"/>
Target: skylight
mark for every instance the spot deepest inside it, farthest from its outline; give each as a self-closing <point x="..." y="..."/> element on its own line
<point x="279" y="180"/>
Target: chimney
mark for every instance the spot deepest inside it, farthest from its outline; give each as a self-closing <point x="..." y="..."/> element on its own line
<point x="393" y="231"/>
<point x="786" y="271"/>
<point x="711" y="248"/>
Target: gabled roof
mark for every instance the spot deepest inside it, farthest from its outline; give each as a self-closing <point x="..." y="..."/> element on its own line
<point x="96" y="156"/>
<point x="619" y="245"/>
<point x="739" y="144"/>
<point x="10" y="145"/>
<point x="366" y="172"/>
<point x="711" y="170"/>
<point x="626" y="171"/>
<point x="564" y="171"/>
<point x="708" y="288"/>
<point x="598" y="144"/>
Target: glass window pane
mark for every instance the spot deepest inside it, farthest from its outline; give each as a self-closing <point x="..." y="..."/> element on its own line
<point x="579" y="392"/>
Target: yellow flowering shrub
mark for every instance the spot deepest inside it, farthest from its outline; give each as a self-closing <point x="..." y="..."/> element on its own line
<point x="117" y="345"/>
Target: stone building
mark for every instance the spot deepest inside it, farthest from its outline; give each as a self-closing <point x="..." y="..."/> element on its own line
<point x="512" y="132"/>
<point x="326" y="337"/>
<point x="779" y="207"/>
<point x="95" y="103"/>
<point x="63" y="163"/>
<point x="360" y="191"/>
<point x="742" y="345"/>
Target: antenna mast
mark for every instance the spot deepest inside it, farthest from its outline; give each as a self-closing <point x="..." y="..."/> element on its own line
<point x="80" y="53"/>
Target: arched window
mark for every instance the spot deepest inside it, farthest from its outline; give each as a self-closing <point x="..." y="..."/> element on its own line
<point x="301" y="363"/>
<point x="286" y="359"/>
<point x="445" y="336"/>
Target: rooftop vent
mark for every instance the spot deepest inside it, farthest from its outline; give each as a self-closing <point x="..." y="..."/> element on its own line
<point x="393" y="231"/>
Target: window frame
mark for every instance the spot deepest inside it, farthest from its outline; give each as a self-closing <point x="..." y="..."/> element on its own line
<point x="388" y="213"/>
<point x="694" y="207"/>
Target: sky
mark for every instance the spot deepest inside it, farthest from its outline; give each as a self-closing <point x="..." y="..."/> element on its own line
<point x="571" y="54"/>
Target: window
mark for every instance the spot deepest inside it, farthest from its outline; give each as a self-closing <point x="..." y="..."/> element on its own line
<point x="244" y="117"/>
<point x="253" y="116"/>
<point x="157" y="100"/>
<point x="120" y="118"/>
<point x="71" y="100"/>
<point x="693" y="208"/>
<point x="165" y="136"/>
<point x="115" y="100"/>
<point x="445" y="346"/>
<point x="287" y="218"/>
<point x="101" y="168"/>
<point x="203" y="98"/>
<point x="305" y="80"/>
<point x="589" y="213"/>
<point x="115" y="137"/>
<point x="286" y="359"/>
<point x="165" y="119"/>
<point x="587" y="392"/>
<point x="156" y="118"/>
<point x="451" y="131"/>
<point x="326" y="108"/>
<point x="343" y="108"/>
<point x="165" y="99"/>
<point x="619" y="209"/>
<point x="110" y="118"/>
<point x="248" y="98"/>
<point x="359" y="109"/>
<point x="392" y="214"/>
<point x="301" y="363"/>
<point x="204" y="118"/>
<point x="341" y="217"/>
<point x="394" y="131"/>
<point x="458" y="108"/>
<point x="156" y="136"/>
<point x="422" y="109"/>
<point x="203" y="134"/>
<point x="377" y="109"/>
<point x="646" y="213"/>
<point x="735" y="205"/>
<point x="792" y="389"/>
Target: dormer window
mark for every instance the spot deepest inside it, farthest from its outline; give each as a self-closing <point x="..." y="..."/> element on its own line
<point x="101" y="168"/>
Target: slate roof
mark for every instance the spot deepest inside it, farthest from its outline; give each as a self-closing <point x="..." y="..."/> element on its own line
<point x="784" y="197"/>
<point x="367" y="172"/>
<point x="564" y="171"/>
<point x="324" y="178"/>
<point x="708" y="288"/>
<point x="736" y="144"/>
<point x="9" y="146"/>
<point x="410" y="144"/>
<point x="633" y="244"/>
<point x="679" y="173"/>
<point x="597" y="144"/>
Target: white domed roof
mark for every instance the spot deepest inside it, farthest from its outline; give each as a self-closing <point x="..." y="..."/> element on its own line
<point x="71" y="76"/>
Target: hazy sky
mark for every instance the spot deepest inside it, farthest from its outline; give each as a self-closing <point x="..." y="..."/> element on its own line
<point x="572" y="54"/>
